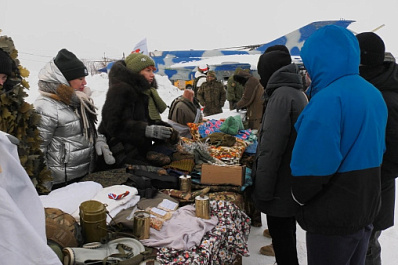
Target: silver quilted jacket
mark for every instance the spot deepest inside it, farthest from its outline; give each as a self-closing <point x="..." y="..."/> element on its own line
<point x="68" y="153"/>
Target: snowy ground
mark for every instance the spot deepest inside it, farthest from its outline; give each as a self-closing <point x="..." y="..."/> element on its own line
<point x="388" y="241"/>
<point x="99" y="86"/>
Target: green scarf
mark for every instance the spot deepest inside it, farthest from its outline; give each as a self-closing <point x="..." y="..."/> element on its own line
<point x="155" y="104"/>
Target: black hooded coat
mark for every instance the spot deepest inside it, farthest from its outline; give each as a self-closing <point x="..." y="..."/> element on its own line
<point x="385" y="78"/>
<point x="271" y="171"/>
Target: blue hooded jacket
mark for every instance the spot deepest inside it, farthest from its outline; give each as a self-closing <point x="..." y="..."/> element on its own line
<point x="340" y="138"/>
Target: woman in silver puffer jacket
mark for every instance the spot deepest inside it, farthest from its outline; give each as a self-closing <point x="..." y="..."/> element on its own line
<point x="68" y="120"/>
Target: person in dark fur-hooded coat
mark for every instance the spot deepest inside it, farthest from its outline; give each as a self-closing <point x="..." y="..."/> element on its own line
<point x="125" y="115"/>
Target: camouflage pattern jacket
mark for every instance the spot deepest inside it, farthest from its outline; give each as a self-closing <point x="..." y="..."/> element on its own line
<point x="212" y="96"/>
<point x="234" y="90"/>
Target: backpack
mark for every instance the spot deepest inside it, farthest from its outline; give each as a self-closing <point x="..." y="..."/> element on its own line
<point x="172" y="107"/>
<point x="174" y="104"/>
<point x="195" y="83"/>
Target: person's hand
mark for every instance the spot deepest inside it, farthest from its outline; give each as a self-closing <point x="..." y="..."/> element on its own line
<point x="174" y="138"/>
<point x="158" y="132"/>
<point x="102" y="148"/>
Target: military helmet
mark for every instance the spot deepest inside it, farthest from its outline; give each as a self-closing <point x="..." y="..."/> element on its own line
<point x="62" y="228"/>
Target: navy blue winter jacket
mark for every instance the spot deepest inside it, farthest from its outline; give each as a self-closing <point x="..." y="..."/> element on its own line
<point x="340" y="138"/>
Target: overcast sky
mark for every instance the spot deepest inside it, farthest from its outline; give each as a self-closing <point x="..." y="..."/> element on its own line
<point x="94" y="28"/>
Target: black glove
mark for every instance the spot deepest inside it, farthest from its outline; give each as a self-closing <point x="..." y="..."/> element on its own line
<point x="158" y="132"/>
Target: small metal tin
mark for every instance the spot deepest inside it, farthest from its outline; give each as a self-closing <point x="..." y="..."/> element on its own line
<point x="141" y="224"/>
<point x="202" y="207"/>
<point x="185" y="183"/>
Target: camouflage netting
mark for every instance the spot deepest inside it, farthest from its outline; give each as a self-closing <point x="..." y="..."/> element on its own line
<point x="19" y="119"/>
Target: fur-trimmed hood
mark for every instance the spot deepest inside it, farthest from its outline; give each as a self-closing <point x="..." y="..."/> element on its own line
<point x="60" y="92"/>
<point x="54" y="85"/>
<point x="241" y="77"/>
<point x="51" y="73"/>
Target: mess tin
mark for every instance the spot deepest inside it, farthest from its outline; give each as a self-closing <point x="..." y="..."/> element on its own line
<point x="202" y="207"/>
<point x="141" y="224"/>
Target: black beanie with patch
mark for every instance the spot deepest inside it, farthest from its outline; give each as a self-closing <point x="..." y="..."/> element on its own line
<point x="372" y="49"/>
<point x="69" y="65"/>
<point x="272" y="60"/>
<point x="5" y="63"/>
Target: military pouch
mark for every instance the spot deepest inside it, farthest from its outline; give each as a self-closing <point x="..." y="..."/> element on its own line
<point x="158" y="181"/>
<point x="143" y="186"/>
<point x="219" y="139"/>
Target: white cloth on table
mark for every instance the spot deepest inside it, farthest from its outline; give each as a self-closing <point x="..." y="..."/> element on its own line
<point x="115" y="206"/>
<point x="69" y="198"/>
<point x="183" y="231"/>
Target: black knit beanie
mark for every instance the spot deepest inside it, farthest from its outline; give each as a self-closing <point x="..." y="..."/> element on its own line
<point x="272" y="60"/>
<point x="69" y="65"/>
<point x="282" y="48"/>
<point x="5" y="63"/>
<point x="372" y="49"/>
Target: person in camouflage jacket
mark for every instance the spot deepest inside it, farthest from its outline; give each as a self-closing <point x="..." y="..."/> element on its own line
<point x="234" y="90"/>
<point x="212" y="95"/>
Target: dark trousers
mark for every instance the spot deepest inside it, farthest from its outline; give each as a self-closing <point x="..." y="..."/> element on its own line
<point x="283" y="233"/>
<point x="338" y="250"/>
<point x="232" y="105"/>
<point x="373" y="256"/>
